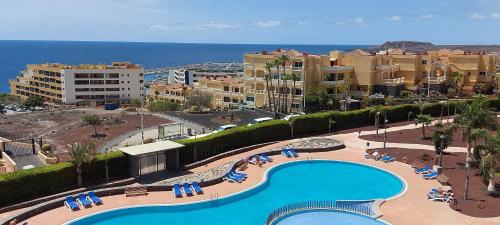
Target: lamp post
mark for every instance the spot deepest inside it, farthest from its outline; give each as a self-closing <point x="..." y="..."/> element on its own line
<point x="442" y="109"/>
<point x="385" y="132"/>
<point x="441" y="147"/>
<point x="377" y="116"/>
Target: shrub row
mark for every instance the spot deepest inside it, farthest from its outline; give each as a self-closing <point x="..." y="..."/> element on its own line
<point x="208" y="146"/>
<point x="24" y="185"/>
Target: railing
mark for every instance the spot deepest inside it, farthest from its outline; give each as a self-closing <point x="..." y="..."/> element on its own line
<point x="367" y="208"/>
<point x="437" y="80"/>
<point x="393" y="67"/>
<point x="394" y="81"/>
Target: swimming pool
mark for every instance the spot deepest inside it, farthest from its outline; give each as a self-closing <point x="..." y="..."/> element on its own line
<point x="287" y="183"/>
<point x="328" y="217"/>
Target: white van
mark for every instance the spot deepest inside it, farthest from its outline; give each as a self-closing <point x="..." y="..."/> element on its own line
<point x="225" y="127"/>
<point x="259" y="120"/>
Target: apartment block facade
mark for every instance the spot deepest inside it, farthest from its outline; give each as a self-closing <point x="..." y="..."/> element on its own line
<point x="226" y="92"/>
<point x="83" y="84"/>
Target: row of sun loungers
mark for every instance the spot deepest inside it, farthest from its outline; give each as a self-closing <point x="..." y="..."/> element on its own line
<point x="289" y="152"/>
<point x="382" y="157"/>
<point x="82" y="200"/>
<point x="186" y="189"/>
<point x="262" y="158"/>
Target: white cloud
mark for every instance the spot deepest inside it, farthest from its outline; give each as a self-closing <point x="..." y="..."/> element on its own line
<point x="359" y="22"/>
<point x="158" y="27"/>
<point x="426" y="16"/>
<point x="495" y="15"/>
<point x="340" y="23"/>
<point x="394" y="18"/>
<point x="211" y="25"/>
<point x="477" y="16"/>
<point x="303" y="23"/>
<point x="268" y="23"/>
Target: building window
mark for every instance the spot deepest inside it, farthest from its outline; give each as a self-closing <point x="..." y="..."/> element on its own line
<point x="296" y="105"/>
<point x="226" y="88"/>
<point x="340" y="76"/>
<point x="227" y="99"/>
<point x="424" y="62"/>
<point x="249" y="98"/>
<point x="81" y="82"/>
<point x="297" y="64"/>
<point x="141" y="81"/>
<point x="298" y="91"/>
<point x="81" y="75"/>
<point x="482" y="73"/>
<point x="112" y="82"/>
<point x="113" y="75"/>
<point x="330" y="77"/>
<point x="330" y="91"/>
<point x="236" y="90"/>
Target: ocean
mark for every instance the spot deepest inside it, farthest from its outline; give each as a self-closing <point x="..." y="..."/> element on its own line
<point x="15" y="55"/>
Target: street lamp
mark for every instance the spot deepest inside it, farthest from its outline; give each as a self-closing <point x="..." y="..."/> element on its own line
<point x="385" y="132"/>
<point x="442" y="108"/>
<point x="466" y="192"/>
<point x="377" y="116"/>
<point x="442" y="137"/>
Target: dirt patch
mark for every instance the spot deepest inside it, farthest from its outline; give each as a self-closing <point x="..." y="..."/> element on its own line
<point x="113" y="126"/>
<point x="453" y="168"/>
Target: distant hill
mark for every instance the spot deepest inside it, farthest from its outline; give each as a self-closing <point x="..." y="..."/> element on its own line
<point x="417" y="46"/>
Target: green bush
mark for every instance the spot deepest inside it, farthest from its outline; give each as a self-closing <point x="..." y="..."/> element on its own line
<point x="25" y="185"/>
<point x="95" y="172"/>
<point x="227" y="140"/>
<point x="163" y="106"/>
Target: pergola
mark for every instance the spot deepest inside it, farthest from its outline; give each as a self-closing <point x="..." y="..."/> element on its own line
<point x="153" y="157"/>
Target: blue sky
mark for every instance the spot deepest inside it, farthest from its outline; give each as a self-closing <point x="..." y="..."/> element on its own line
<point x="253" y="21"/>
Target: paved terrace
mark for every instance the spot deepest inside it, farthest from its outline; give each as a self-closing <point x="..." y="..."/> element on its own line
<point x="411" y="208"/>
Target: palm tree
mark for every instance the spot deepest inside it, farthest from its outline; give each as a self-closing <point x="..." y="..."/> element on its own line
<point x="491" y="150"/>
<point x="81" y="154"/>
<point x="285" y="78"/>
<point x="294" y="78"/>
<point x="471" y="122"/>
<point x="458" y="78"/>
<point x="283" y="59"/>
<point x="425" y="120"/>
<point x="156" y="94"/>
<point x="277" y="63"/>
<point x="269" y="77"/>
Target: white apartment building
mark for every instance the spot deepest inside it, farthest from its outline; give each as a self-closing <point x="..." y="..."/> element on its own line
<point x="83" y="84"/>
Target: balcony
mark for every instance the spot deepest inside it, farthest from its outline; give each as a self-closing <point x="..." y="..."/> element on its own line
<point x="388" y="68"/>
<point x="333" y="82"/>
<point x="394" y="81"/>
<point x="336" y="69"/>
<point x="437" y="80"/>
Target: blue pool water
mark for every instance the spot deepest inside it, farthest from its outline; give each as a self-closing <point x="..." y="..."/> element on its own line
<point x="286" y="184"/>
<point x="320" y="217"/>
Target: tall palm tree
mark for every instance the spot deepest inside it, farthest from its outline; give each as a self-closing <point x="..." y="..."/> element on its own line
<point x="425" y="120"/>
<point x="285" y="78"/>
<point x="294" y="78"/>
<point x="81" y="154"/>
<point x="269" y="77"/>
<point x="471" y="118"/>
<point x="491" y="151"/>
<point x="284" y="59"/>
<point x="277" y="63"/>
<point x="458" y="79"/>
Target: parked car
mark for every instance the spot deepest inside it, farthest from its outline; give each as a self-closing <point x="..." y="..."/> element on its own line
<point x="259" y="120"/>
<point x="292" y="115"/>
<point x="225" y="127"/>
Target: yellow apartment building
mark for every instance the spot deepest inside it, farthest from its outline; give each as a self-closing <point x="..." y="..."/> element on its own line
<point x="226" y="91"/>
<point x="170" y="92"/>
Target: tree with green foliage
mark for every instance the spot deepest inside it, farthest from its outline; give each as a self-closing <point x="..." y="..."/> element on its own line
<point x="81" y="154"/>
<point x="491" y="151"/>
<point x="157" y="93"/>
<point x="136" y="103"/>
<point x="458" y="79"/>
<point x="33" y="101"/>
<point x="163" y="106"/>
<point x="440" y="144"/>
<point x="93" y="120"/>
<point x="294" y="78"/>
<point x="283" y="60"/>
<point x="269" y="79"/>
<point x="199" y="100"/>
<point x="425" y="120"/>
<point x="472" y="120"/>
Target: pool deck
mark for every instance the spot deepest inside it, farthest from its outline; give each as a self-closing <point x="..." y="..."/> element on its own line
<point x="411" y="208"/>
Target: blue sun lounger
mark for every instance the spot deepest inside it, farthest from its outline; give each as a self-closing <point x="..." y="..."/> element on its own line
<point x="431" y="175"/>
<point x="423" y="170"/>
<point x="197" y="188"/>
<point x="267" y="158"/>
<point x="293" y="152"/>
<point x="263" y="159"/>
<point x="286" y="153"/>
<point x="82" y="199"/>
<point x="236" y="174"/>
<point x="71" y="204"/>
<point x="187" y="189"/>
<point x="388" y="158"/>
<point x="177" y="191"/>
<point x="231" y="178"/>
<point x="93" y="198"/>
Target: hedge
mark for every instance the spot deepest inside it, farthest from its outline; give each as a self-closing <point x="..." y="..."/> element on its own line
<point x="231" y="139"/>
<point x="24" y="185"/>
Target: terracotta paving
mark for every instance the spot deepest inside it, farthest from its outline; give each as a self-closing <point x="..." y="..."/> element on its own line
<point x="411" y="208"/>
